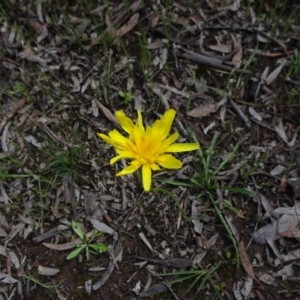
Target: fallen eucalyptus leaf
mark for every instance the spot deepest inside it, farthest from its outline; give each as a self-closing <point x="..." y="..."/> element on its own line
<point x="202" y="110"/>
<point x="47" y="271"/>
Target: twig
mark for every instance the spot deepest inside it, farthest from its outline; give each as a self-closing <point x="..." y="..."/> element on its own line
<point x="105" y="276"/>
<point x="178" y="263"/>
<point x="210" y="62"/>
<point x="144" y="239"/>
<point x="233" y="28"/>
<point x="289" y="80"/>
<point x="265" y="174"/>
<point x="262" y="124"/>
<point x="3" y="140"/>
<point x="240" y="113"/>
<point x="271" y="38"/>
<point x="46" y="235"/>
<point x="111" y="266"/>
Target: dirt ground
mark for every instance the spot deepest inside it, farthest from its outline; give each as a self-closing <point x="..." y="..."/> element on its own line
<point x="225" y="226"/>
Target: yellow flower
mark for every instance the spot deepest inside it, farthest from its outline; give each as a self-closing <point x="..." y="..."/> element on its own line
<point x="147" y="147"/>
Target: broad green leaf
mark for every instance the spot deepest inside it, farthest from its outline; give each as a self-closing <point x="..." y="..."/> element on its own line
<point x="97" y="234"/>
<point x="99" y="248"/>
<point x="74" y="253"/>
<point x="84" y="240"/>
<point x="77" y="229"/>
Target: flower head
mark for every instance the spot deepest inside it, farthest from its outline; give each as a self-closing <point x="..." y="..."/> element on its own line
<point x="148" y="147"/>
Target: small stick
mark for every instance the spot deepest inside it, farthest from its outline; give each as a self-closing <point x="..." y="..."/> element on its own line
<point x="211" y="62"/>
<point x="240" y="113"/>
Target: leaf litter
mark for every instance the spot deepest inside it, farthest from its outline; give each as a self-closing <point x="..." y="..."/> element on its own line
<point x="62" y="72"/>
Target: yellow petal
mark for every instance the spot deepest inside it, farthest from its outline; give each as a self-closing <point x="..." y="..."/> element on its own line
<point x="162" y="127"/>
<point x="156" y="128"/>
<point x="137" y="135"/>
<point x="125" y="122"/>
<point x="125" y="153"/>
<point x="183" y="147"/>
<point x="169" y="162"/>
<point x="146" y="174"/>
<point x="166" y="122"/>
<point x="140" y="121"/>
<point x="107" y="139"/>
<point x="132" y="148"/>
<point x="128" y="170"/>
<point x="154" y="167"/>
<point x="122" y="154"/>
<point x="115" y="159"/>
<point x="118" y="138"/>
<point x="167" y="142"/>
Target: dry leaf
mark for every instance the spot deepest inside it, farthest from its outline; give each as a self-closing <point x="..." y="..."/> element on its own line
<point x="267" y="231"/>
<point x="202" y="110"/>
<point x="282" y="186"/>
<point x="291" y="233"/>
<point x="211" y="242"/>
<point x="246" y="263"/>
<point x="285" y="272"/>
<point x="172" y="90"/>
<point x="6" y="278"/>
<point x="255" y="114"/>
<point x="36" y="25"/>
<point x="237" y="57"/>
<point x="223" y="113"/>
<point x="247" y="287"/>
<point x="295" y="254"/>
<point x="128" y="26"/>
<point x="153" y="290"/>
<point x="88" y="286"/>
<point x="178" y="263"/>
<point x="156" y="45"/>
<point x="102" y="227"/>
<point x="221" y="48"/>
<point x="14" y="259"/>
<point x="295" y="183"/>
<point x="47" y="271"/>
<point x="276" y="72"/>
<point x="40" y="29"/>
<point x="24" y="53"/>
<point x="81" y="28"/>
<point x="288" y="222"/>
<point x="110" y="29"/>
<point x="281" y="132"/>
<point x="61" y="247"/>
<point x="198" y="226"/>
<point x="209" y="127"/>
<point x="274" y="247"/>
<point x="106" y="112"/>
<point x="2" y="233"/>
<point x="266" y="278"/>
<point x="137" y="288"/>
<point x="155" y="21"/>
<point x="266" y="205"/>
<point x="295" y="210"/>
<point x="277" y="170"/>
